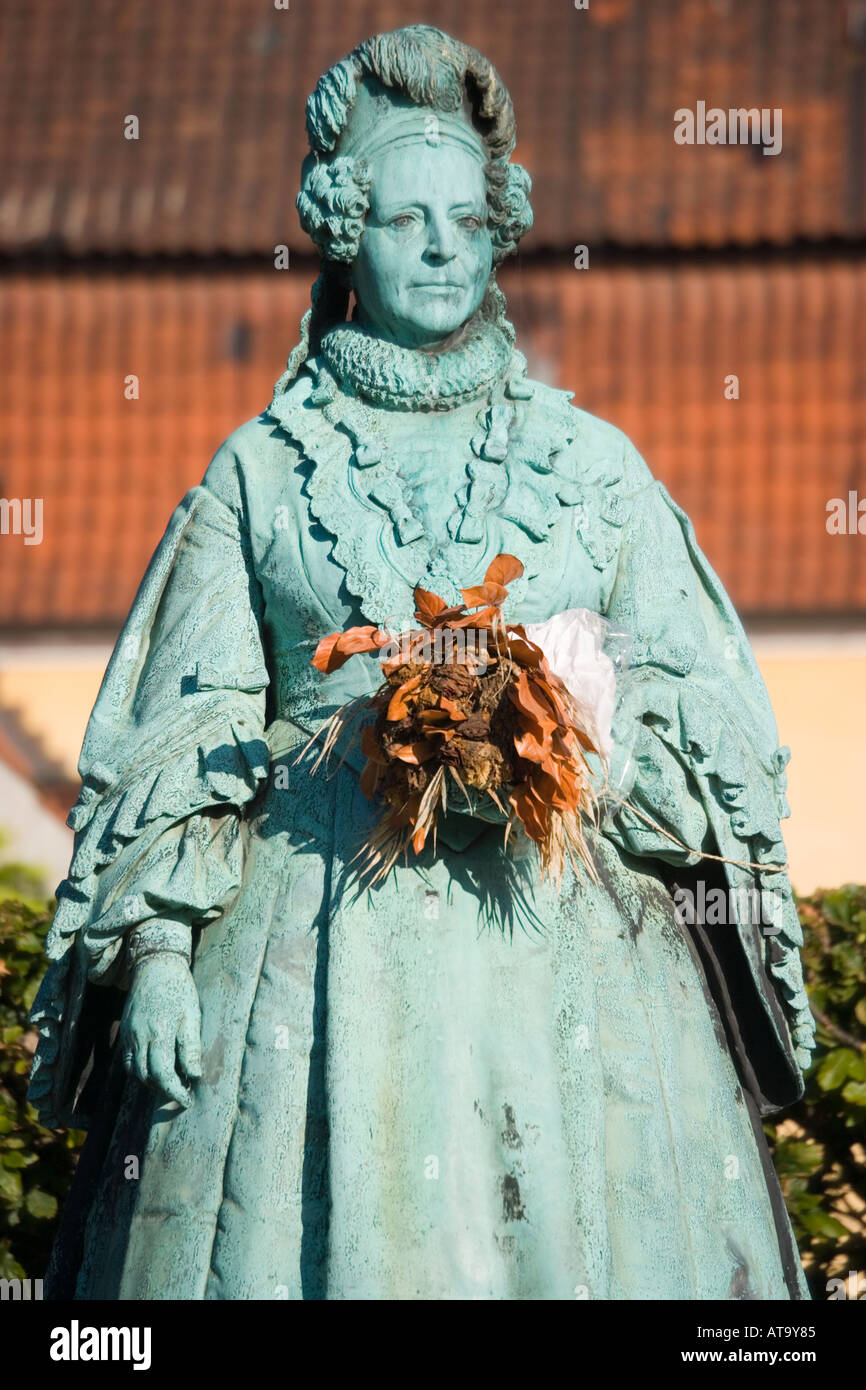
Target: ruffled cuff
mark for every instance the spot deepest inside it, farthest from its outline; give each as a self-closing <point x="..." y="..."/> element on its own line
<point x="654" y="781"/>
<point x="182" y="878"/>
<point x="225" y="766"/>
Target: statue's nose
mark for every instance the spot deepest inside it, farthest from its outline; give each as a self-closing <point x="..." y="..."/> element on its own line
<point x="441" y="243"/>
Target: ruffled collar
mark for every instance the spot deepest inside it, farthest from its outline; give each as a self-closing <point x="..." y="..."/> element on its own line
<point x="522" y="468"/>
<point x="401" y="378"/>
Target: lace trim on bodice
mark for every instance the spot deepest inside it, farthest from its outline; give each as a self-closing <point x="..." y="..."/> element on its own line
<point x="521" y="468"/>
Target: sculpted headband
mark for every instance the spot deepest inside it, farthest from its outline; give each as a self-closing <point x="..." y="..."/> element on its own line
<point x="383" y="120"/>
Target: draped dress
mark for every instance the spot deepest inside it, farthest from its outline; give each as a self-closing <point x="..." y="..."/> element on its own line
<point x="464" y="1082"/>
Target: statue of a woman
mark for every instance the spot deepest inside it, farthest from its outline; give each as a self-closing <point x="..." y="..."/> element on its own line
<point x="465" y="1082"/>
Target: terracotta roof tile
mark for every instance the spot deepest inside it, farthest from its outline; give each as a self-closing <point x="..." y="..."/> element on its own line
<point x="647" y="349"/>
<point x="219" y="91"/>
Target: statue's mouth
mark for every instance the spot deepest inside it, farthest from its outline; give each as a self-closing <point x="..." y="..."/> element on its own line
<point x="449" y="286"/>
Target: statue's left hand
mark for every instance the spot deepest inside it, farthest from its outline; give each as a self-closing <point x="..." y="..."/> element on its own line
<point x="160" y="1032"/>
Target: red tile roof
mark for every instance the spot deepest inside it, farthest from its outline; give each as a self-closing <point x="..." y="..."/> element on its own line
<point x="646" y="349"/>
<point x="219" y="91"/>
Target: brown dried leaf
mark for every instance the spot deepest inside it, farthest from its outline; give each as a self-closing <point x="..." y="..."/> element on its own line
<point x="334" y="651"/>
<point x="418" y="752"/>
<point x="428" y="606"/>
<point x="503" y="569"/>
<point x="484" y="593"/>
<point x="397" y="707"/>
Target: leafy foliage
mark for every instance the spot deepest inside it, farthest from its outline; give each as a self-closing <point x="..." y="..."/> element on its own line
<point x="36" y="1164"/>
<point x="819" y="1144"/>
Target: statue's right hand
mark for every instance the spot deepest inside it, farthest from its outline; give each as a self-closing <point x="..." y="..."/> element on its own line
<point x="160" y="1031"/>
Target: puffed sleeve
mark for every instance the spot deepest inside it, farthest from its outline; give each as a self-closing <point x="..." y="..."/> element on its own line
<point x="697" y="720"/>
<point x="154" y="898"/>
<point x="174" y="748"/>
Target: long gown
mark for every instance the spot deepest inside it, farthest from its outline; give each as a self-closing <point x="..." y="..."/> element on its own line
<point x="463" y="1083"/>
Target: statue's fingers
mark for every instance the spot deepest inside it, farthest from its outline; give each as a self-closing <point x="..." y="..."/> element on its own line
<point x="136" y="1051"/>
<point x="125" y="1041"/>
<point x="162" y="1074"/>
<point x="189" y="1048"/>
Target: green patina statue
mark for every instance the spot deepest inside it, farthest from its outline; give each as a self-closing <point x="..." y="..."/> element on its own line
<point x="466" y="1082"/>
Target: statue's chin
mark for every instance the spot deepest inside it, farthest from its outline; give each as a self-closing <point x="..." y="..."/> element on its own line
<point x="436" y="325"/>
<point x="433" y="321"/>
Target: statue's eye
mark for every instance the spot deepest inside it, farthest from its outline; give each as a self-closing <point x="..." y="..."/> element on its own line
<point x="471" y="223"/>
<point x="404" y="219"/>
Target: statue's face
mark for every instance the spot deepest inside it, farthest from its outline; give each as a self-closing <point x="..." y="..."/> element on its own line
<point x="425" y="254"/>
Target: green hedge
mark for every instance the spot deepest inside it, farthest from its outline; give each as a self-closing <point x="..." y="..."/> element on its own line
<point x="816" y="1144"/>
<point x="819" y="1143"/>
<point x="36" y="1164"/>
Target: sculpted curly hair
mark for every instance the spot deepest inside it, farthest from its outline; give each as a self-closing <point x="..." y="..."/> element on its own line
<point x="431" y="69"/>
